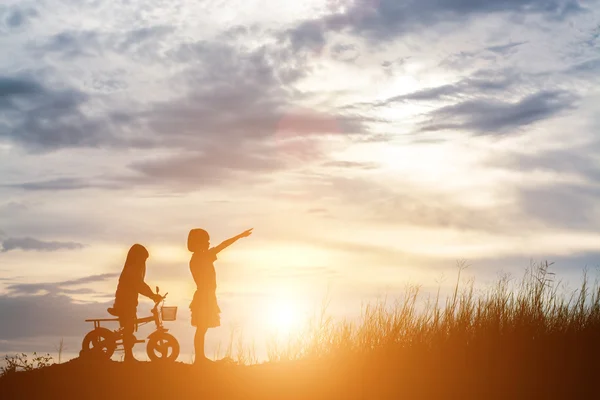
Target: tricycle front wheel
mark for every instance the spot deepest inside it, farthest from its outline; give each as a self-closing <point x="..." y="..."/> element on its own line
<point x="162" y="347"/>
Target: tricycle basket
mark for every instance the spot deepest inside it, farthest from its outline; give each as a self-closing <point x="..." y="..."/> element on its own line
<point x="169" y="313"/>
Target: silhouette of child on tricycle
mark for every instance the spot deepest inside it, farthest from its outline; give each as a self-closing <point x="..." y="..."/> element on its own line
<point x="103" y="342"/>
<point x="162" y="346"/>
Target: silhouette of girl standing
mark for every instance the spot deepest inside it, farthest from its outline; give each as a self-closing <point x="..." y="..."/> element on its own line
<point x="204" y="307"/>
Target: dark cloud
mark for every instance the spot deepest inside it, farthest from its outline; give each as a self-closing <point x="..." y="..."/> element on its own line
<point x="25" y="289"/>
<point x="47" y="315"/>
<point x="234" y="93"/>
<point x="46" y="309"/>
<point x="228" y="94"/>
<point x="233" y="112"/>
<point x="31" y="244"/>
<point x="42" y="118"/>
<point x="10" y="87"/>
<point x="494" y="117"/>
<point x="15" y="17"/>
<point x="53" y="184"/>
<point x="464" y="59"/>
<point x="479" y="85"/>
<point x="382" y="20"/>
<point x="504" y="48"/>
<point x="61" y="184"/>
<point x="237" y="116"/>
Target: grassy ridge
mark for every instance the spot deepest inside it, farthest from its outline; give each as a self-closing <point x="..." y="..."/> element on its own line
<point x="515" y="315"/>
<point x="521" y="339"/>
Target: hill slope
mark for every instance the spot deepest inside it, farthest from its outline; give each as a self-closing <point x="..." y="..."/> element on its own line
<point x="547" y="378"/>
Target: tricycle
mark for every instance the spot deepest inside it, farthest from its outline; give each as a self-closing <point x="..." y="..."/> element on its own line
<point x="162" y="346"/>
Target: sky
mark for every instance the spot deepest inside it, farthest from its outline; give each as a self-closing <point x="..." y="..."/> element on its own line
<point x="371" y="144"/>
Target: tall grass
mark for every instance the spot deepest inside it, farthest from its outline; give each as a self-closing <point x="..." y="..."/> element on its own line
<point x="513" y="318"/>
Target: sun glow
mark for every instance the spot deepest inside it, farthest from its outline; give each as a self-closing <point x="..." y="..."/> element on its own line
<point x="284" y="315"/>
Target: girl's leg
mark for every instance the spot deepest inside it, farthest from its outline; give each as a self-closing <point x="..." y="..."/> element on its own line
<point x="199" y="344"/>
<point x="128" y="325"/>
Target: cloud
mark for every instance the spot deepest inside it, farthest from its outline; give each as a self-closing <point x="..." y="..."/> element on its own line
<point x="223" y="95"/>
<point x="14" y="17"/>
<point x="46" y="309"/>
<point x="405" y="203"/>
<point x="21" y="289"/>
<point x="356" y="165"/>
<point x="346" y="52"/>
<point x="569" y="200"/>
<point x="12" y="208"/>
<point x="384" y="20"/>
<point x="481" y="83"/>
<point x="62" y="184"/>
<point x="237" y="118"/>
<point x="42" y="118"/>
<point x="139" y="43"/>
<point x="497" y="117"/>
<point x="53" y="184"/>
<point x="239" y="95"/>
<point x="214" y="166"/>
<point x="586" y="67"/>
<point x="563" y="205"/>
<point x="505" y="48"/>
<point x="575" y="161"/>
<point x="48" y="315"/>
<point x="17" y="87"/>
<point x="31" y="244"/>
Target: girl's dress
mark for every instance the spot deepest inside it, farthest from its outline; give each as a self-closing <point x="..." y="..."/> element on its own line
<point x="204" y="307"/>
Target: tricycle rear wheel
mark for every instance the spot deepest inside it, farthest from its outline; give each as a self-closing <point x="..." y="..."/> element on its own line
<point x="100" y="342"/>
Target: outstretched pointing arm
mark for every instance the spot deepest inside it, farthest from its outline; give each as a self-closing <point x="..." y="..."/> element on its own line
<point x="232" y="240"/>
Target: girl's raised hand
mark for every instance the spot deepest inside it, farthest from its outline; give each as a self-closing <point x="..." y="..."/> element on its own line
<point x="246" y="233"/>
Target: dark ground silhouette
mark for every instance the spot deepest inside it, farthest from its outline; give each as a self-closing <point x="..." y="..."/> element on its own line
<point x="537" y="374"/>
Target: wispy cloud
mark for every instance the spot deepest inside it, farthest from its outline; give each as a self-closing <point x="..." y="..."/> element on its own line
<point x="497" y="117"/>
<point x="31" y="244"/>
<point x="385" y="20"/>
<point x="42" y="118"/>
<point x="48" y="315"/>
<point x="19" y="289"/>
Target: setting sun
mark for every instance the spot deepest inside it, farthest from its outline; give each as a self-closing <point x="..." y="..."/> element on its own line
<point x="284" y="315"/>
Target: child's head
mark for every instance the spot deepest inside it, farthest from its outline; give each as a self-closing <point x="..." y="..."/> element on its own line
<point x="198" y="240"/>
<point x="137" y="254"/>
